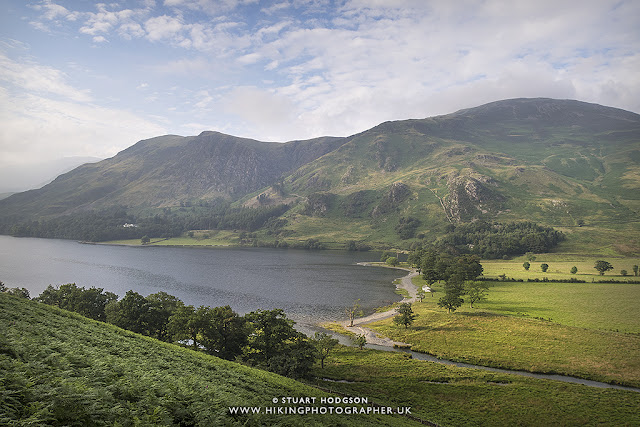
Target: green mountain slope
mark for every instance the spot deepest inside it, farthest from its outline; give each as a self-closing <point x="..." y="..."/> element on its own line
<point x="59" y="368"/>
<point x="560" y="163"/>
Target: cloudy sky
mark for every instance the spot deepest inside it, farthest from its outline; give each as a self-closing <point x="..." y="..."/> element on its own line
<point x="81" y="78"/>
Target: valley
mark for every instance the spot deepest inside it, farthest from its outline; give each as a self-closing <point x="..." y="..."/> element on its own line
<point x="550" y="183"/>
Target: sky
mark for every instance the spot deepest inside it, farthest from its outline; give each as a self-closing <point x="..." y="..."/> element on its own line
<point x="82" y="78"/>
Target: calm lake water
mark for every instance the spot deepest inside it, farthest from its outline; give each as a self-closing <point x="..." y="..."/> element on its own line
<point x="311" y="286"/>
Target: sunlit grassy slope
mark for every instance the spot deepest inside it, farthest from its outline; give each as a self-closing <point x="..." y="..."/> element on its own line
<point x="589" y="330"/>
<point x="58" y="368"/>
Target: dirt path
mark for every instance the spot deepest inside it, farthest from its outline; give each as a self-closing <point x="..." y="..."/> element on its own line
<point x="372" y="337"/>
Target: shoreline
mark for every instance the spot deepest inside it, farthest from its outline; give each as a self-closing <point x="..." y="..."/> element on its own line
<point x="371" y="336"/>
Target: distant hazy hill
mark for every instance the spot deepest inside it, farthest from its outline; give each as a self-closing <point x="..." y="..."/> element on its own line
<point x="557" y="162"/>
<point x="35" y="175"/>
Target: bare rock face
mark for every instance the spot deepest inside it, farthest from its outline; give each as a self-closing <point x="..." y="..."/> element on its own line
<point x="471" y="197"/>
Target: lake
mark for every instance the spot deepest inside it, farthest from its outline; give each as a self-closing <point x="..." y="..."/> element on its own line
<point x="310" y="286"/>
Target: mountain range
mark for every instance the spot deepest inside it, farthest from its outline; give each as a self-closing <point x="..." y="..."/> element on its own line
<point x="562" y="163"/>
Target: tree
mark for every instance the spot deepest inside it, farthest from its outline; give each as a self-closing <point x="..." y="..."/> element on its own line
<point x="161" y="307"/>
<point x="450" y="301"/>
<point x="393" y="261"/>
<point x="476" y="291"/>
<point x="385" y="255"/>
<point x="353" y="311"/>
<point x="90" y="302"/>
<point x="324" y="344"/>
<point x="635" y="270"/>
<point x="223" y="332"/>
<point x="526" y="265"/>
<point x="185" y="324"/>
<point x="623" y="272"/>
<point x="145" y="239"/>
<point x="602" y="267"/>
<point x="274" y="344"/>
<point x="421" y="294"/>
<point x="574" y="269"/>
<point x="296" y="361"/>
<point x="442" y="266"/>
<point x="3" y="288"/>
<point x="452" y="296"/>
<point x="129" y="313"/>
<point x="360" y="341"/>
<point x="405" y="315"/>
<point x="544" y="267"/>
<point x="270" y="329"/>
<point x="530" y="256"/>
<point x="19" y="292"/>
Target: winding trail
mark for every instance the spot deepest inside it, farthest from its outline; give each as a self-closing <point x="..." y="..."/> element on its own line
<point x="372" y="337"/>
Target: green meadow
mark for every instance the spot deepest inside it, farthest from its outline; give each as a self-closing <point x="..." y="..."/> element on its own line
<point x="560" y="265"/>
<point x="600" y="306"/>
<point x="587" y="330"/>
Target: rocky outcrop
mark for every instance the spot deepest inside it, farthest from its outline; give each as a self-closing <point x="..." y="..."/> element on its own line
<point x="470" y="197"/>
<point x="317" y="204"/>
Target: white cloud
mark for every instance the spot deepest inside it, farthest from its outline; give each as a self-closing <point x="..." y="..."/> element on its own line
<point x="32" y="77"/>
<point x="48" y="128"/>
<point x="50" y="118"/>
<point x="341" y="69"/>
<point x="163" y="27"/>
<point x="264" y="111"/>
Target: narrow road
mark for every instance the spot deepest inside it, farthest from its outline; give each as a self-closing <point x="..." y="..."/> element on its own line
<point x="371" y="336"/>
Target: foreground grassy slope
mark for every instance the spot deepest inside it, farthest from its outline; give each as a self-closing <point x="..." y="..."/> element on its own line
<point x="58" y="368"/>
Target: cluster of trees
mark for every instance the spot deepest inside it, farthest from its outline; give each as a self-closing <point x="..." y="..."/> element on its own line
<point x="458" y="272"/>
<point x="19" y="292"/>
<point x="262" y="338"/>
<point x="492" y="240"/>
<point x="108" y="224"/>
<point x="407" y="227"/>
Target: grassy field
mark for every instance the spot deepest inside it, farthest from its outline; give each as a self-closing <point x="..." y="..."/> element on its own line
<point x="560" y="267"/>
<point x="451" y="396"/>
<point x="521" y="344"/>
<point x="603" y="306"/>
<point x="205" y="238"/>
<point x="587" y="330"/>
<point x="58" y="368"/>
